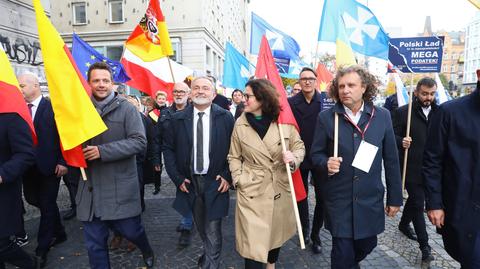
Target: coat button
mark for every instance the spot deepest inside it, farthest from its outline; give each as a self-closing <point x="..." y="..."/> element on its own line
<point x="251" y="197"/>
<point x="355" y="198"/>
<point x="90" y="189"/>
<point x="355" y="135"/>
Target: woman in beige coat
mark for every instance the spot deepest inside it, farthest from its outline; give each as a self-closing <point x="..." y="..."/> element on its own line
<point x="264" y="218"/>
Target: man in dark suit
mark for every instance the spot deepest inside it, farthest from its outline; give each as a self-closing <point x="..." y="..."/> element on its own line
<point x="16" y="155"/>
<point x="42" y="180"/>
<point x="451" y="172"/>
<point x="352" y="185"/>
<point x="423" y="108"/>
<point x="305" y="106"/>
<point x="195" y="147"/>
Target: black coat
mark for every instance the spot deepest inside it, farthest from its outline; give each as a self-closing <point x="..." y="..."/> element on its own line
<point x="16" y="155"/>
<point x="306" y="116"/>
<point x="47" y="152"/>
<point x="177" y="153"/>
<point x="354" y="199"/>
<point x="418" y="133"/>
<point x="221" y="101"/>
<point x="451" y="170"/>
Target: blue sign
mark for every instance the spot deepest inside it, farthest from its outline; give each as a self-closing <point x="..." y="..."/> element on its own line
<point x="416" y="54"/>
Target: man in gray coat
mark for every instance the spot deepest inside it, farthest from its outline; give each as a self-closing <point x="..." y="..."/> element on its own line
<point x="109" y="198"/>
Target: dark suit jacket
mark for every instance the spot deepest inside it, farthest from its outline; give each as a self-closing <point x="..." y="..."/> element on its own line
<point x="354" y="199"/>
<point x="418" y="133"/>
<point x="177" y="152"/>
<point x="16" y="155"/>
<point x="451" y="172"/>
<point x="47" y="152"/>
<point x="239" y="110"/>
<point x="221" y="101"/>
<point x="306" y="117"/>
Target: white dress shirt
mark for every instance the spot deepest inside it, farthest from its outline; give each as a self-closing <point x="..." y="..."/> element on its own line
<point x="426" y="111"/>
<point x="206" y="139"/>
<point x="355" y="118"/>
<point x="35" y="104"/>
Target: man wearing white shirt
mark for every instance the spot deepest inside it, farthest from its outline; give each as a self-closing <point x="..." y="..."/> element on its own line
<point x="237" y="103"/>
<point x="195" y="147"/>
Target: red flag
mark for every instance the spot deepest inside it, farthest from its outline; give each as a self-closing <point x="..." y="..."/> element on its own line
<point x="324" y="77"/>
<point x="266" y="68"/>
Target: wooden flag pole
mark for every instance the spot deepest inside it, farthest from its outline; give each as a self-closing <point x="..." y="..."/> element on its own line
<point x="171" y="70"/>
<point x="292" y="191"/>
<point x="84" y="175"/>
<point x="409" y="119"/>
<point x="335" y="136"/>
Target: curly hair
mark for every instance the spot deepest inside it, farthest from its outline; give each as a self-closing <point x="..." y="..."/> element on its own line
<point x="266" y="94"/>
<point x="369" y="81"/>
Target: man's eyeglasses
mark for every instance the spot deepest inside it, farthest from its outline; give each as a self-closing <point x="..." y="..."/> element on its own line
<point x="308" y="79"/>
<point x="247" y="96"/>
<point x="179" y="92"/>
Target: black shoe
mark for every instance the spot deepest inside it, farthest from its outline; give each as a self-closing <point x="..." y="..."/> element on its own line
<point x="201" y="261"/>
<point x="70" y="214"/>
<point x="156" y="191"/>
<point x="59" y="239"/>
<point x="408" y="232"/>
<point x="306" y="240"/>
<point x="427" y="254"/>
<point x="149" y="259"/>
<point x="185" y="238"/>
<point x="317" y="247"/>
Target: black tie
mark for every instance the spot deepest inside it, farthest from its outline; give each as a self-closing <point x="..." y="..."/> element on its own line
<point x="200" y="142"/>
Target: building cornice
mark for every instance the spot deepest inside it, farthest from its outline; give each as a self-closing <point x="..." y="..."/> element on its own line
<point x="19" y="32"/>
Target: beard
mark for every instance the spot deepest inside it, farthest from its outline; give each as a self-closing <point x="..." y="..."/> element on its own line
<point x="425" y="104"/>
<point x="201" y="100"/>
<point x="181" y="101"/>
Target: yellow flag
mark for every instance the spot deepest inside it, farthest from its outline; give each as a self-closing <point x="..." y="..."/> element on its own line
<point x="76" y="118"/>
<point x="344" y="54"/>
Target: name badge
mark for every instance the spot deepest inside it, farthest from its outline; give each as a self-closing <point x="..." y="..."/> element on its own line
<point x="365" y="155"/>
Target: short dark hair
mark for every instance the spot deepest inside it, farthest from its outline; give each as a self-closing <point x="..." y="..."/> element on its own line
<point x="101" y="66"/>
<point x="306" y="68"/>
<point x="426" y="81"/>
<point x="369" y="81"/>
<point x="236" y="90"/>
<point x="266" y="93"/>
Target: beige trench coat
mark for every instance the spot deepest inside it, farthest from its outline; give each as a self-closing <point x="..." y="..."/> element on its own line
<point x="264" y="217"/>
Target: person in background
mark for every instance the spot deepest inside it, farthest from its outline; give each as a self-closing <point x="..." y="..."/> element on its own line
<point x="296" y="88"/>
<point x="237" y="103"/>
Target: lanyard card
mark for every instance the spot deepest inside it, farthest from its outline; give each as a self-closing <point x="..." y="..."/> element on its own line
<point x="365" y="155"/>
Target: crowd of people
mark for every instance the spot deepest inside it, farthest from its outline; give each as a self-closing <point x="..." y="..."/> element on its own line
<point x="210" y="147"/>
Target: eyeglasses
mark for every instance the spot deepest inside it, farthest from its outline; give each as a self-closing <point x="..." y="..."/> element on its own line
<point x="247" y="96"/>
<point x="179" y="92"/>
<point x="308" y="79"/>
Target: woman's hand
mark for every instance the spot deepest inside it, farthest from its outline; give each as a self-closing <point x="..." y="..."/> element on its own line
<point x="288" y="157"/>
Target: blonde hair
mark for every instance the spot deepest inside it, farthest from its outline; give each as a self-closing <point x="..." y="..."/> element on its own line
<point x="162" y="93"/>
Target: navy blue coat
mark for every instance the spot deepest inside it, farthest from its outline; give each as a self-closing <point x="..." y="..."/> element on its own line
<point x="451" y="170"/>
<point x="16" y="155"/>
<point x="306" y="116"/>
<point x="178" y="155"/>
<point x="354" y="198"/>
<point x="47" y="152"/>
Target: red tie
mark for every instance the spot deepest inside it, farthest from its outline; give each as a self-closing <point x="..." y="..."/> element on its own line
<point x="30" y="108"/>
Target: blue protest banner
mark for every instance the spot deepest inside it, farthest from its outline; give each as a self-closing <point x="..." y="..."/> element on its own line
<point x="417" y="54"/>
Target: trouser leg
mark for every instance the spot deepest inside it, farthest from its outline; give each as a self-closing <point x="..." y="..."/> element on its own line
<point x="132" y="229"/>
<point x="96" y="235"/>
<point x="343" y="253"/>
<point x="363" y="247"/>
<point x="303" y="205"/>
<point x="417" y="196"/>
<point x="11" y="253"/>
<point x="319" y="213"/>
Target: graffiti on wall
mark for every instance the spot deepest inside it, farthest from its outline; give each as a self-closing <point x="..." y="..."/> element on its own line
<point x="22" y="50"/>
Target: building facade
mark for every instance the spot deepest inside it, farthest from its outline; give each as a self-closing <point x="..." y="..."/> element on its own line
<point x="19" y="36"/>
<point x="472" y="52"/>
<point x="198" y="28"/>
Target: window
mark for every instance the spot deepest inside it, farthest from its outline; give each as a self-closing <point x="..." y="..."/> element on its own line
<point x="115" y="8"/>
<point x="177" y="50"/>
<point x="79" y="13"/>
<point x="112" y="52"/>
<point x="452" y="68"/>
<point x="445" y="69"/>
<point x="208" y="51"/>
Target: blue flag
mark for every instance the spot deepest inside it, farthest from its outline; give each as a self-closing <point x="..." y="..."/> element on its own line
<point x="84" y="56"/>
<point x="283" y="46"/>
<point x="363" y="30"/>
<point x="236" y="69"/>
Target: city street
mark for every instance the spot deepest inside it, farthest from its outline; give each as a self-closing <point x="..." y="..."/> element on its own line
<point x="394" y="250"/>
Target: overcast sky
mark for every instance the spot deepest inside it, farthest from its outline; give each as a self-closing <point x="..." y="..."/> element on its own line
<point x="301" y="18"/>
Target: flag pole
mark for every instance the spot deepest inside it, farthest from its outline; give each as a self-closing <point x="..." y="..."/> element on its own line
<point x="171" y="70"/>
<point x="292" y="191"/>
<point x="316" y="55"/>
<point x="84" y="175"/>
<point x="409" y="119"/>
<point x="335" y="137"/>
